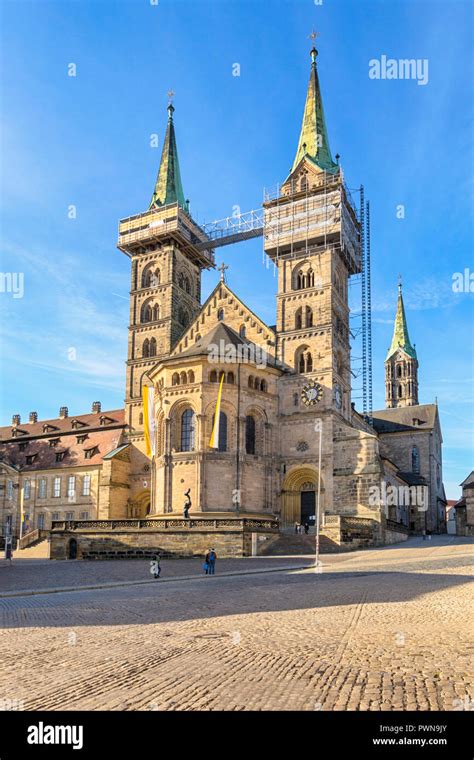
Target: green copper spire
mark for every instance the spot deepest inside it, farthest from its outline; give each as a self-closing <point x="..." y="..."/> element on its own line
<point x="400" y="331"/>
<point x="314" y="142"/>
<point x="168" y="187"/>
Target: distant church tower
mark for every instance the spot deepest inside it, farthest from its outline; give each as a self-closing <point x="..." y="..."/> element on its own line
<point x="401" y="364"/>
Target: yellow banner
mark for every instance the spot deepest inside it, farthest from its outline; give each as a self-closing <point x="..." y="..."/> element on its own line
<point x="149" y="418"/>
<point x="214" y="440"/>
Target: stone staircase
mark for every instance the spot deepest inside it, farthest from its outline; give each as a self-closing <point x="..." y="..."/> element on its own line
<point x="295" y="543"/>
<point x="33" y="545"/>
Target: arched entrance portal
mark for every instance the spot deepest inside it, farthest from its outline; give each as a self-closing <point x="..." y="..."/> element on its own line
<point x="299" y="495"/>
<point x="72" y="549"/>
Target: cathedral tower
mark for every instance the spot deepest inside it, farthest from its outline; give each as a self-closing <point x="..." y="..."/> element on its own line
<point x="401" y="364"/>
<point x="312" y="235"/>
<point x="165" y="293"/>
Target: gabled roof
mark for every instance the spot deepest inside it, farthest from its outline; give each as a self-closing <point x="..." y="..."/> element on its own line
<point x="224" y="288"/>
<point x="61" y="425"/>
<point x="469" y="481"/>
<point x="229" y="337"/>
<point x="399" y="419"/>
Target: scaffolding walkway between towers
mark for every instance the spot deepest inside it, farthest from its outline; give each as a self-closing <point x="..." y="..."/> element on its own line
<point x="298" y="218"/>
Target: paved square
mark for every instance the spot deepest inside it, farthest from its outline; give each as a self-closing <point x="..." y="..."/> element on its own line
<point x="385" y="629"/>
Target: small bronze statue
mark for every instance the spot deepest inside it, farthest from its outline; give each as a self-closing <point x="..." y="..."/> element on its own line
<point x="187" y="504"/>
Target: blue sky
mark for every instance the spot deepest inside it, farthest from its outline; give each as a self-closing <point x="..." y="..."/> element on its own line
<point x="85" y="141"/>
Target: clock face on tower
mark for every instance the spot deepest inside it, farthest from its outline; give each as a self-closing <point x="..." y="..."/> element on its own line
<point x="312" y="394"/>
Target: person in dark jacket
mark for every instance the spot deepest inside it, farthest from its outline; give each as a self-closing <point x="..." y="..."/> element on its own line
<point x="210" y="561"/>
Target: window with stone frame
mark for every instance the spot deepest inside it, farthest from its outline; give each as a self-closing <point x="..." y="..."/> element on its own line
<point x="86" y="485"/>
<point x="188" y="429"/>
<point x="57" y="487"/>
<point x="250" y="434"/>
<point x="42" y="485"/>
<point x="415" y="460"/>
<point x="27" y="488"/>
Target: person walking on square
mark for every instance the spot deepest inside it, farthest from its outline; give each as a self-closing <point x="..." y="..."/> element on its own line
<point x="296" y="527"/>
<point x="306" y="529"/>
<point x="211" y="557"/>
<point x="155" y="565"/>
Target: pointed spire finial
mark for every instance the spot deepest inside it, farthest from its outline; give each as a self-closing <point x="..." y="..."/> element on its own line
<point x="313" y="52"/>
<point x="399" y="283"/>
<point x="222" y="269"/>
<point x="171" y="95"/>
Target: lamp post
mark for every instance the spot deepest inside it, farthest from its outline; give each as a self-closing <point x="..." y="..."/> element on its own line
<point x="318" y="426"/>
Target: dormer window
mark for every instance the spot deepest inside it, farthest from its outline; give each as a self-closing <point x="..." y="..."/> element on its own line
<point x="77" y="424"/>
<point x="22" y="446"/>
<point x="82" y="438"/>
<point x="60" y="455"/>
<point x="30" y="459"/>
<point x="49" y="428"/>
<point x="105" y="420"/>
<point x="89" y="453"/>
<point x="53" y="442"/>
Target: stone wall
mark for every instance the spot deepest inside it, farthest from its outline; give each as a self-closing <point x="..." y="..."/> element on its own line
<point x="230" y="538"/>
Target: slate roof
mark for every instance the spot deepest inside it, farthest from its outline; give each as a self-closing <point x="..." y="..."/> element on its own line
<point x="228" y="336"/>
<point x="420" y="417"/>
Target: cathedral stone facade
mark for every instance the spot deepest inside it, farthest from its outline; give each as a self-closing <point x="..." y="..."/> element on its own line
<point x="290" y="438"/>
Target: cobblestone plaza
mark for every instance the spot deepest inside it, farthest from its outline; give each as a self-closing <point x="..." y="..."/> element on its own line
<point x="384" y="629"/>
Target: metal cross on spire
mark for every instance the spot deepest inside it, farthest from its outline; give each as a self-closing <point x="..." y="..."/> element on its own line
<point x="313" y="35"/>
<point x="222" y="269"/>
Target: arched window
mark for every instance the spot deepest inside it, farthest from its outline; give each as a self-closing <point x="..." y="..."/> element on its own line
<point x="309" y="363"/>
<point x="146" y="313"/>
<point x="222" y="442"/>
<point x="309" y="316"/>
<point x="250" y="434"/>
<point x="399" y="370"/>
<point x="146" y="348"/>
<point x="400" y="391"/>
<point x="415" y="460"/>
<point x="190" y="376"/>
<point x="251" y="381"/>
<point x="301" y="282"/>
<point x="220" y="315"/>
<point x="156" y="312"/>
<point x="153" y="347"/>
<point x="187" y="430"/>
<point x="304" y="184"/>
<point x="242" y="331"/>
<point x="187" y="285"/>
<point x="183" y="378"/>
<point x="230" y="378"/>
<point x="301" y="364"/>
<point x="263" y="386"/>
<point x="181" y="280"/>
<point x="298" y="319"/>
<point x="310" y="278"/>
<point x="175" y="379"/>
<point x="213" y="376"/>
